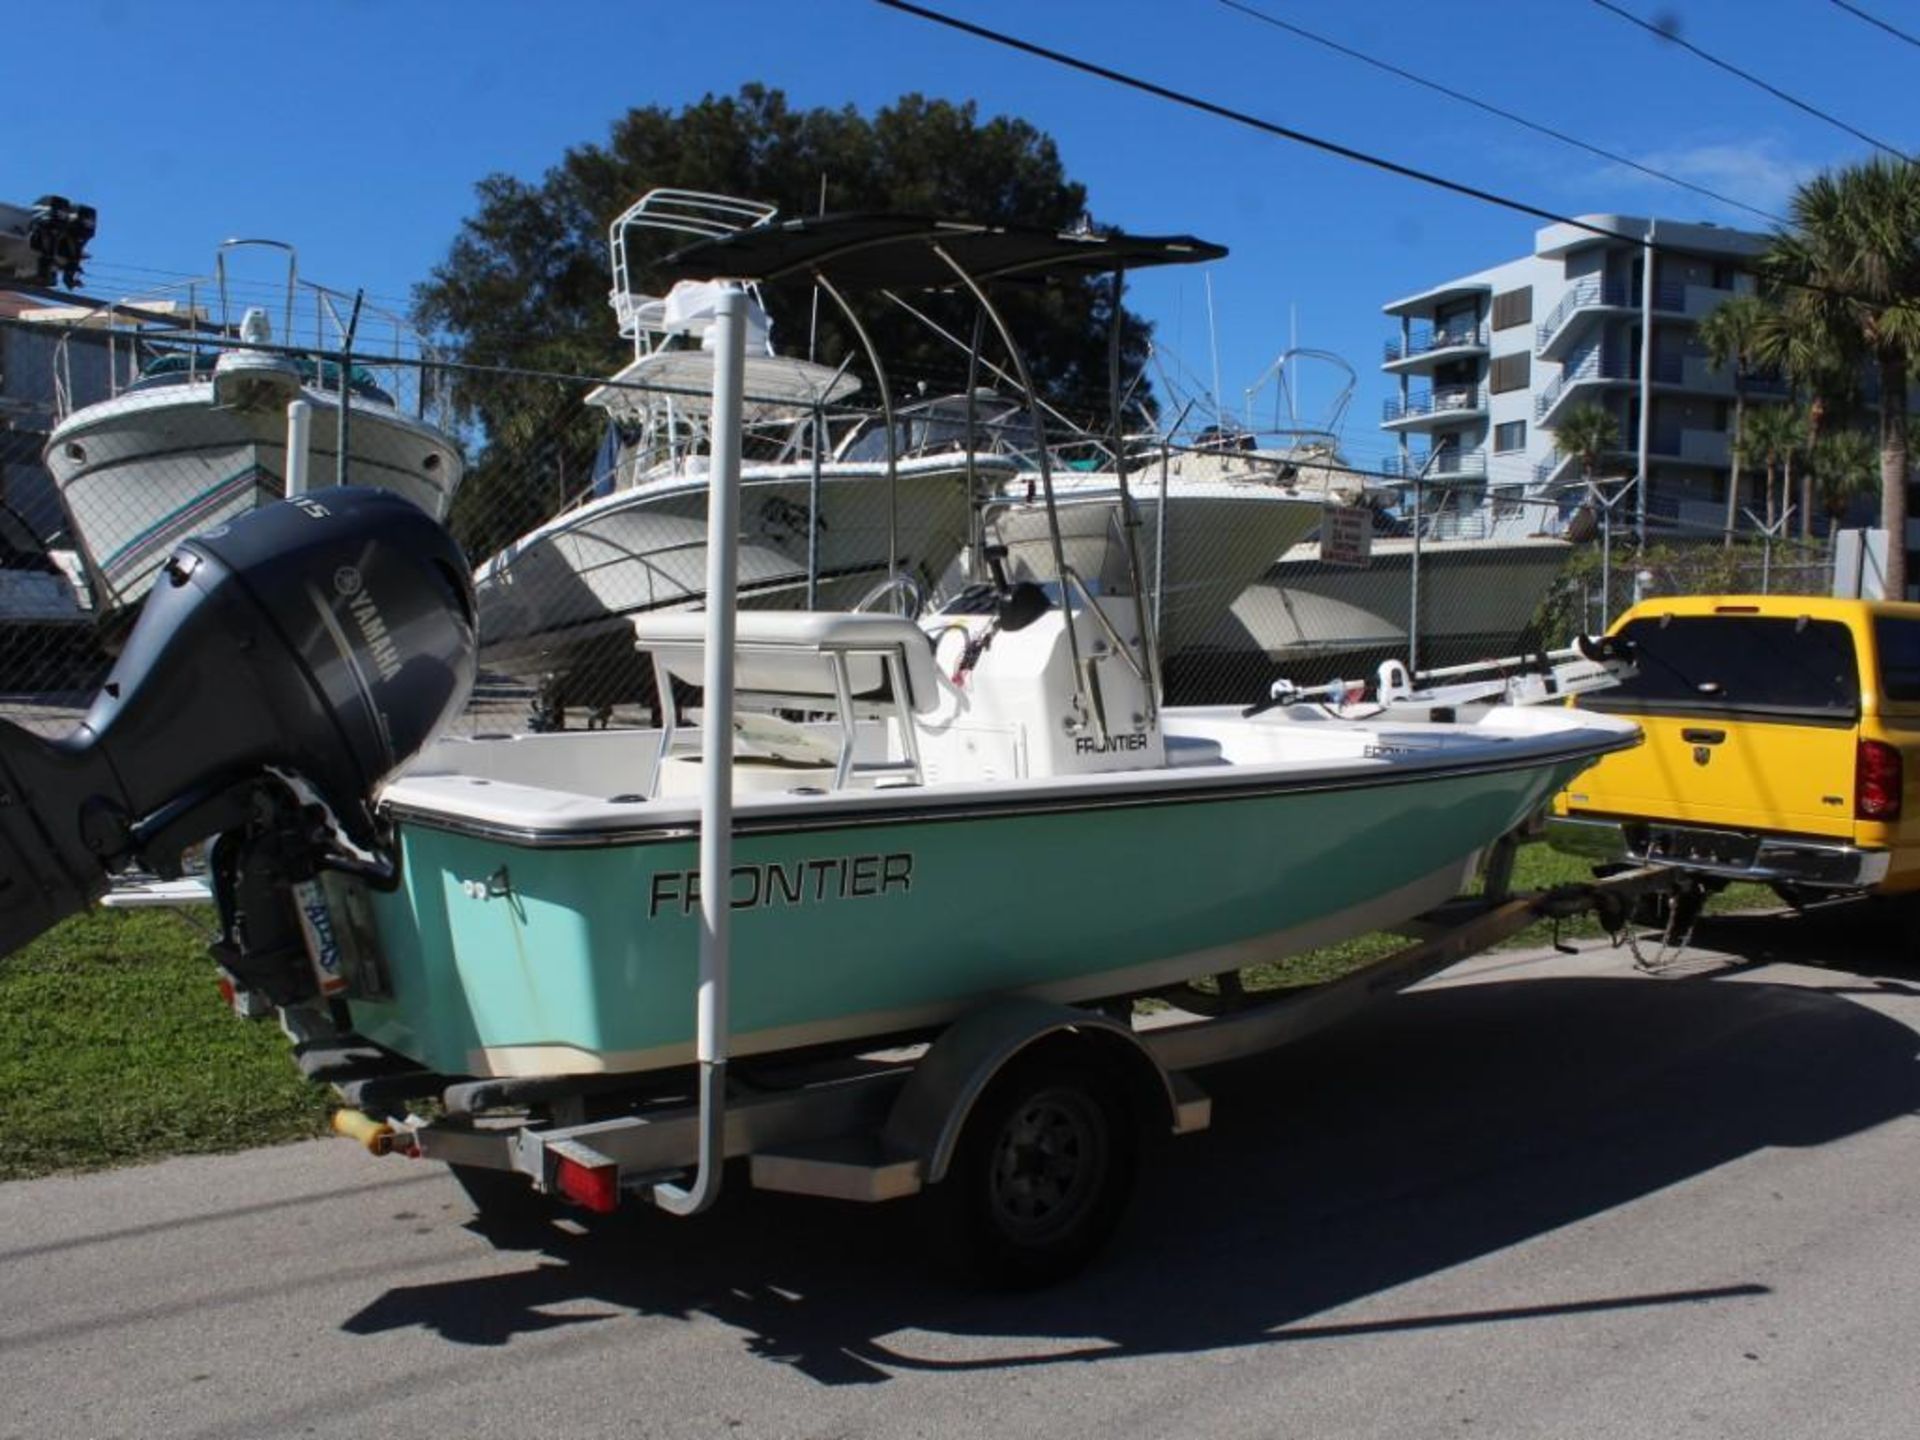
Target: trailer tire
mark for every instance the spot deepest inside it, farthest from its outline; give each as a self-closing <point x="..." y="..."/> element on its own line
<point x="1042" y="1173"/>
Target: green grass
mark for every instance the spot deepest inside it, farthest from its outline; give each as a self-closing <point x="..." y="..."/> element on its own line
<point x="115" y="1047"/>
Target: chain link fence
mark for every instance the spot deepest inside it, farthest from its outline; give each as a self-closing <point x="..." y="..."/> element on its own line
<point x="1260" y="557"/>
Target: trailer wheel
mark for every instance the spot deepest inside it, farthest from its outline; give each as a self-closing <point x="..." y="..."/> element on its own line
<point x="1042" y="1172"/>
<point x="505" y="1204"/>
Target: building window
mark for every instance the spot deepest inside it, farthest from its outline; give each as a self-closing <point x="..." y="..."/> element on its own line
<point x="1510" y="436"/>
<point x="1515" y="307"/>
<point x="1509" y="372"/>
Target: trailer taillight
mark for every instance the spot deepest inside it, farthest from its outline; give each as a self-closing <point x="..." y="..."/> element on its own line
<point x="1877" y="781"/>
<point x="592" y="1184"/>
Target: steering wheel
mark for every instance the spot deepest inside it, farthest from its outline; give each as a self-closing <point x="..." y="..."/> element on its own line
<point x="905" y="584"/>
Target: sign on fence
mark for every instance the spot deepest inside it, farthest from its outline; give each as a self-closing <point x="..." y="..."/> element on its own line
<point x="1346" y="535"/>
<point x="1860" y="564"/>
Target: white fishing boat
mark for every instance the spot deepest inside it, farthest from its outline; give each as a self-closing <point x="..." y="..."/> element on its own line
<point x="1448" y="569"/>
<point x="195" y="430"/>
<point x="823" y="522"/>
<point x="1477" y="596"/>
<point x="881" y="769"/>
<point x="1213" y="537"/>
<point x="1200" y="541"/>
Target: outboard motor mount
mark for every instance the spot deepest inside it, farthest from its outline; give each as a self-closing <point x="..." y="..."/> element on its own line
<point x="323" y="640"/>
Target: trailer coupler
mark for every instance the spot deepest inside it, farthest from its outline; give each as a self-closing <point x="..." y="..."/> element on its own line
<point x="378" y="1136"/>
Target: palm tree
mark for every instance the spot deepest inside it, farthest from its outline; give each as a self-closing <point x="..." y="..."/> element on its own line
<point x="1843" y="465"/>
<point x="1589" y="433"/>
<point x="1772" y="435"/>
<point x="1730" y="334"/>
<point x="1851" y="264"/>
<point x="1820" y="365"/>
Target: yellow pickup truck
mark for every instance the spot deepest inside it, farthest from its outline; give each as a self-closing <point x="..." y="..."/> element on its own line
<point x="1782" y="745"/>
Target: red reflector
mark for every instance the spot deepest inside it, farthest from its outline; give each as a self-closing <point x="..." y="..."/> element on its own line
<point x="227" y="992"/>
<point x="1877" y="782"/>
<point x="597" y="1187"/>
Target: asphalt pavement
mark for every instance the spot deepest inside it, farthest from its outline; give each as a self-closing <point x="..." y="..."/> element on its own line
<point x="1545" y="1195"/>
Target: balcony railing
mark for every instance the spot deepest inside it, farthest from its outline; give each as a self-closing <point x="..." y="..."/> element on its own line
<point x="1597" y="365"/>
<point x="1447" y="399"/>
<point x="1591" y="292"/>
<point x="1425" y="341"/>
<point x="1449" y="463"/>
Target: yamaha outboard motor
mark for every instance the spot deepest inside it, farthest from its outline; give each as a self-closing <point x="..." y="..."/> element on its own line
<point x="282" y="667"/>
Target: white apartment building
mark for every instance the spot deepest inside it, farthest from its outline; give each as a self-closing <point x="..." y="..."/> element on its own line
<point x="1488" y="364"/>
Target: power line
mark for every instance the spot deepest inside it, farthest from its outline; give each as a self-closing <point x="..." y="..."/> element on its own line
<point x="1672" y="35"/>
<point x="1491" y="109"/>
<point x="1877" y="21"/>
<point x="1345" y="152"/>
<point x="1254" y="122"/>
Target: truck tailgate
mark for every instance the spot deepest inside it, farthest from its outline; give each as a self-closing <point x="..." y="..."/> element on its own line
<point x="1750" y="775"/>
<point x="1752" y="722"/>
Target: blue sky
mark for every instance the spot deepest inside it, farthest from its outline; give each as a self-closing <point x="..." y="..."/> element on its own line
<point x="356" y="129"/>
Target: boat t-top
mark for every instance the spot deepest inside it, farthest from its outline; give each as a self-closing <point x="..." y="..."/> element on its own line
<point x="832" y="508"/>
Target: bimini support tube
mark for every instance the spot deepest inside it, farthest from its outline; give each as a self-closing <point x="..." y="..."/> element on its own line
<point x="852" y="317"/>
<point x="1085" y="701"/>
<point x="716" y="762"/>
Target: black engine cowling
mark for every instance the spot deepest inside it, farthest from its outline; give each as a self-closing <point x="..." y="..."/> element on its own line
<point x="327" y="638"/>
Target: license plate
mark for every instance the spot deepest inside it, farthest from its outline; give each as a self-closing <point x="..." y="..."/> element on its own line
<point x="1676" y="845"/>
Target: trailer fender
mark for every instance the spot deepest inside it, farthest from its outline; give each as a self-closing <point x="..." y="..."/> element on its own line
<point x="932" y="1110"/>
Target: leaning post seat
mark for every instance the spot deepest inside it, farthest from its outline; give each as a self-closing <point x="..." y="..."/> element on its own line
<point x="851" y="664"/>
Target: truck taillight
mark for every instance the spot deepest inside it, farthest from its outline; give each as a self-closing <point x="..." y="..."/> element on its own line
<point x="1876" y="782"/>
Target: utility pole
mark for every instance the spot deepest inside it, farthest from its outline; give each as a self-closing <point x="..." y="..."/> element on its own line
<point x="1646" y="385"/>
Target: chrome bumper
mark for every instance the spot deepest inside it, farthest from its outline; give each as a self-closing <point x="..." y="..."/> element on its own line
<point x="1734" y="854"/>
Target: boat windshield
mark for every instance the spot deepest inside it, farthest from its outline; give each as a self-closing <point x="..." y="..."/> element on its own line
<point x="176" y="367"/>
<point x="936" y="427"/>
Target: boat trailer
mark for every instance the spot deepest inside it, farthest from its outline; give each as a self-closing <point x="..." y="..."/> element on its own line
<point x="1022" y="1119"/>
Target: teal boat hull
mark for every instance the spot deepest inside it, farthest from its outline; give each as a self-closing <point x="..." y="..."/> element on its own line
<point x="531" y="954"/>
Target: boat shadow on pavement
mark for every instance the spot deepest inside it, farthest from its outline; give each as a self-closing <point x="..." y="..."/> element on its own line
<point x="1444" y="1125"/>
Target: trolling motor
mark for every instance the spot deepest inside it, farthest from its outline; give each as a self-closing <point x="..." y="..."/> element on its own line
<point x="283" y="666"/>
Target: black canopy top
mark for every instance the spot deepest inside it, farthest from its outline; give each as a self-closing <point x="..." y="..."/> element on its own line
<point x="896" y="252"/>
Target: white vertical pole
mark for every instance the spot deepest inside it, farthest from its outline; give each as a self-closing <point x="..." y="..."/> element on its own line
<point x="1646" y="386"/>
<point x="299" y="427"/>
<point x="716" y="760"/>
